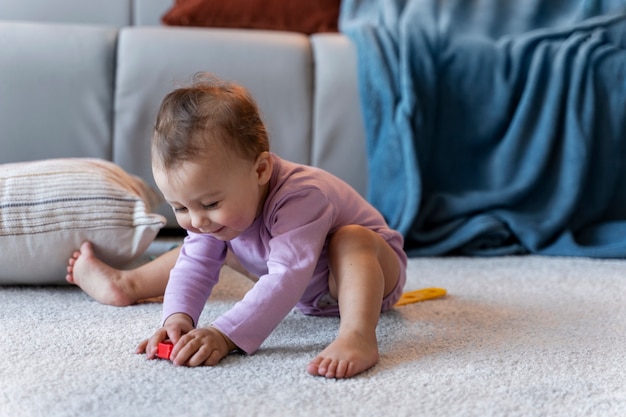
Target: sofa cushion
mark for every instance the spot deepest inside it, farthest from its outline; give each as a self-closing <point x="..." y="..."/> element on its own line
<point x="49" y="207"/>
<point x="290" y="15"/>
<point x="56" y="91"/>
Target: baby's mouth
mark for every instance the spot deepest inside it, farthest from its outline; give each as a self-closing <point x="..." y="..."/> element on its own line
<point x="217" y="231"/>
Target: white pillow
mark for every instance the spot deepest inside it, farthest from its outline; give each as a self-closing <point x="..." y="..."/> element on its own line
<point x="49" y="207"/>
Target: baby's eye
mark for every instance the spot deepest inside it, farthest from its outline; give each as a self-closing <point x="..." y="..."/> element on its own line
<point x="179" y="209"/>
<point x="209" y="206"/>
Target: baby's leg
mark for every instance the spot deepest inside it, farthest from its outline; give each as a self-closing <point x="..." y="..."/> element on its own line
<point x="117" y="287"/>
<point x="364" y="268"/>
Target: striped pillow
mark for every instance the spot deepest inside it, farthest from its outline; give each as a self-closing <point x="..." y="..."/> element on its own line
<point x="49" y="207"/>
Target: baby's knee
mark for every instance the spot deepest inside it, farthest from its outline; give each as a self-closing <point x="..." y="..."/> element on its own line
<point x="354" y="234"/>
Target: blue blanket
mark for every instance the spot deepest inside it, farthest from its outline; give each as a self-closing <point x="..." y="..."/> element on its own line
<point x="495" y="126"/>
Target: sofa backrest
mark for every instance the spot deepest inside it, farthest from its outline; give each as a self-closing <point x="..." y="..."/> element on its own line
<point x="116" y="13"/>
<point x="110" y="12"/>
<point x="149" y="12"/>
<point x="92" y="88"/>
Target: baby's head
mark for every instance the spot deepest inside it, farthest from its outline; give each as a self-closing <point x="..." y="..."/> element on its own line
<point x="209" y="117"/>
<point x="210" y="157"/>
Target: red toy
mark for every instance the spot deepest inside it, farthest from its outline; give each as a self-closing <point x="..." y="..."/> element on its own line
<point x="164" y="349"/>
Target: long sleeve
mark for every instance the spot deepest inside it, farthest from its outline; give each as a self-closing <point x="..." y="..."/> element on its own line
<point x="193" y="277"/>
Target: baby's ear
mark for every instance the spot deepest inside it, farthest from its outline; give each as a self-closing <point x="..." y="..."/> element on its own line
<point x="263" y="167"/>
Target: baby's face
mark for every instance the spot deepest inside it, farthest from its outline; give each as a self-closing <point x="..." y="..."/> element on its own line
<point x="221" y="196"/>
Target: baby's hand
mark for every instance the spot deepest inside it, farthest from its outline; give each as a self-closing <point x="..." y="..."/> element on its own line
<point x="175" y="326"/>
<point x="205" y="346"/>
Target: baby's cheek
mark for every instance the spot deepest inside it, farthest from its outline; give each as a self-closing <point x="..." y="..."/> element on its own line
<point x="240" y="223"/>
<point x="183" y="221"/>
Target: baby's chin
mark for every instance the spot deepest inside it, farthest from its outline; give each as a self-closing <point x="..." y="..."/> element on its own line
<point x="225" y="234"/>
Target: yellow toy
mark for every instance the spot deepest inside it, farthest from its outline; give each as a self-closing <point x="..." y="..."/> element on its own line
<point x="420" y="295"/>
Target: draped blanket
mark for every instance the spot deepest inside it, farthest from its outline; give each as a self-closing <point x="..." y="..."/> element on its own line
<point x="495" y="126"/>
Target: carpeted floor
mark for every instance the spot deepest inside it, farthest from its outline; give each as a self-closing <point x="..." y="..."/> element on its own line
<point x="516" y="336"/>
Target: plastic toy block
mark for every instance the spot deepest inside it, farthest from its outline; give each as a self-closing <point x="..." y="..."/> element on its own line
<point x="420" y="295"/>
<point x="164" y="349"/>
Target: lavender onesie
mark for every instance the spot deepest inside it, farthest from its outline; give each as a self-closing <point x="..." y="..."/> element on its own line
<point x="286" y="247"/>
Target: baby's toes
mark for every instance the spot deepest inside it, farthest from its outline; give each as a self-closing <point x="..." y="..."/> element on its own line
<point x="313" y="367"/>
<point x="342" y="370"/>
<point x="328" y="368"/>
<point x="316" y="367"/>
<point x="320" y="366"/>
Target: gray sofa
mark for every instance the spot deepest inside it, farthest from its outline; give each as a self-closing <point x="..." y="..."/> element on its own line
<point x="85" y="79"/>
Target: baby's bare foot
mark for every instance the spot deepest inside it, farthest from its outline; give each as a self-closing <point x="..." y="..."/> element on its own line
<point x="102" y="282"/>
<point x="345" y="357"/>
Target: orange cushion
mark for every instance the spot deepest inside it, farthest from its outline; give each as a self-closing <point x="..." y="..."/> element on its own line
<point x="305" y="16"/>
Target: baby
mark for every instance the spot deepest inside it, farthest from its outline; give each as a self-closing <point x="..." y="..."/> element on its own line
<point x="313" y="242"/>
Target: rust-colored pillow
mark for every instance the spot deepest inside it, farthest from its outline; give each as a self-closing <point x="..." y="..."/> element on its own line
<point x="305" y="16"/>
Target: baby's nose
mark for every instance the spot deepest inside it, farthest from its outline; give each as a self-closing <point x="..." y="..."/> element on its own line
<point x="200" y="220"/>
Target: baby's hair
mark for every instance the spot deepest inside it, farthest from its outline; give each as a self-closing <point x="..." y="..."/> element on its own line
<point x="210" y="112"/>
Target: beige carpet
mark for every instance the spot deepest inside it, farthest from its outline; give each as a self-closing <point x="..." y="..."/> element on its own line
<point x="516" y="336"/>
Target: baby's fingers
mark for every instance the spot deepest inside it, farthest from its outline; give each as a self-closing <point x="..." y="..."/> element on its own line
<point x="205" y="346"/>
<point x="198" y="356"/>
<point x="150" y="346"/>
<point x="214" y="358"/>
